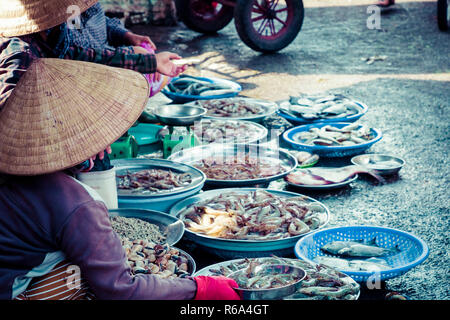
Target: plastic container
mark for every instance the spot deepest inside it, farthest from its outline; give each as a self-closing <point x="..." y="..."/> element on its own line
<point x="413" y="250"/>
<point x="329" y="151"/>
<point x="155" y="85"/>
<point x="298" y="121"/>
<point x="104" y="182"/>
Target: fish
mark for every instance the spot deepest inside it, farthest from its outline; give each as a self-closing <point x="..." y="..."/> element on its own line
<point x="231" y="107"/>
<point x="352" y="134"/>
<point x="189" y="85"/>
<point x="327" y="175"/>
<point x="369" y="265"/>
<point x="152" y="180"/>
<point x="357" y="249"/>
<point x="320" y="106"/>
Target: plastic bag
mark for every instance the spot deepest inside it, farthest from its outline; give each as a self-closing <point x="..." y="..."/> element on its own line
<point x="155" y="85"/>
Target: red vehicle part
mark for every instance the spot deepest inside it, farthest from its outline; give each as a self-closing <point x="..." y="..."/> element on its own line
<point x="263" y="25"/>
<point x="268" y="25"/>
<point x="205" y="16"/>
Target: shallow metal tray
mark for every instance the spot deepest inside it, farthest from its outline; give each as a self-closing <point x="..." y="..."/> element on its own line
<point x="227" y="151"/>
<point x="269" y="108"/>
<point x="237" y="248"/>
<point x="260" y="135"/>
<point x="169" y="224"/>
<point x="369" y="159"/>
<point x="133" y="165"/>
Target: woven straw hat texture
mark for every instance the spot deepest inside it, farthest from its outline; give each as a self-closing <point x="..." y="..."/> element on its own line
<point x="21" y="17"/>
<point x="62" y="112"/>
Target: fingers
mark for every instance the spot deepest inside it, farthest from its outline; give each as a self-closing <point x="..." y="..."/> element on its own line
<point x="173" y="56"/>
<point x="91" y="164"/>
<point x="109" y="149"/>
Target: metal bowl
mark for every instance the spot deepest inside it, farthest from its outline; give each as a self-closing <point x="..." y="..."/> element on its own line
<point x="161" y="201"/>
<point x="269" y="108"/>
<point x="382" y="164"/>
<point x="192" y="266"/>
<point x="179" y="114"/>
<point x="298" y="120"/>
<point x="271" y="293"/>
<point x="412" y="250"/>
<point x="322" y="187"/>
<point x="172" y="226"/>
<point x="237" y="248"/>
<point x="313" y="271"/>
<point x="227" y="151"/>
<point x="133" y="165"/>
<point x="255" y="132"/>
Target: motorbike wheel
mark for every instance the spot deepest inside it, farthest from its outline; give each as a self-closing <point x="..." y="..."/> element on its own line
<point x="443" y="15"/>
<point x="268" y="25"/>
<point x="205" y="16"/>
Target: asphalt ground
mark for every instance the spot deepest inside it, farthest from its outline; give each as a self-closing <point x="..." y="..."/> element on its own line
<point x="408" y="95"/>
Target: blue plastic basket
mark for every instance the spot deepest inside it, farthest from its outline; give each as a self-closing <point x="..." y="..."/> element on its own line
<point x="183" y="98"/>
<point x="413" y="250"/>
<point x="301" y="121"/>
<point x="329" y="151"/>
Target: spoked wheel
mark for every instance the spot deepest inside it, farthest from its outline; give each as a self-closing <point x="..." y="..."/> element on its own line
<point x="205" y="16"/>
<point x="443" y="14"/>
<point x="268" y="25"/>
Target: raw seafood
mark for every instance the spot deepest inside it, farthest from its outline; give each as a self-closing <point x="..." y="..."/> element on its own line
<point x="350" y="135"/>
<point x="315" y="107"/>
<point x="231" y="107"/>
<point x="321" y="282"/>
<point x="239" y="167"/>
<point x="323" y="175"/>
<point x="357" y="249"/>
<point x="369" y="265"/>
<point x="256" y="277"/>
<point x="305" y="158"/>
<point x="255" y="215"/>
<point x="153" y="180"/>
<point x="225" y="131"/>
<point x="135" y="228"/>
<point x="159" y="259"/>
<point x="189" y="85"/>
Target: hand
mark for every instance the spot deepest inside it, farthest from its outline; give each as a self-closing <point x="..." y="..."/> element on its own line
<point x="100" y="155"/>
<point x="164" y="64"/>
<point x="136" y="40"/>
<point x="216" y="288"/>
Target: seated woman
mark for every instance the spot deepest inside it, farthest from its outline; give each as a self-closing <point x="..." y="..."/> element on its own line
<point x="59" y="114"/>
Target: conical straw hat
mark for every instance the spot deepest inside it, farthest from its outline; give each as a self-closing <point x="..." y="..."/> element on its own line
<point x="62" y="112"/>
<point x="20" y="17"/>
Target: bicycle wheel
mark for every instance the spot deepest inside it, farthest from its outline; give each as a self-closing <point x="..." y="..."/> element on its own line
<point x="443" y="15"/>
<point x="268" y="25"/>
<point x="205" y="16"/>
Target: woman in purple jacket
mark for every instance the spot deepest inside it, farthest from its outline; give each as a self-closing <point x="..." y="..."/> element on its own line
<point x="53" y="228"/>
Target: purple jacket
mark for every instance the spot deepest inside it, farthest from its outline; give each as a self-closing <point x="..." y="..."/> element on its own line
<point x="44" y="219"/>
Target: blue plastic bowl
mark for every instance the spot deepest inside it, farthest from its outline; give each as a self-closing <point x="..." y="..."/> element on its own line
<point x="329" y="151"/>
<point x="301" y="121"/>
<point x="183" y="98"/>
<point x="413" y="250"/>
